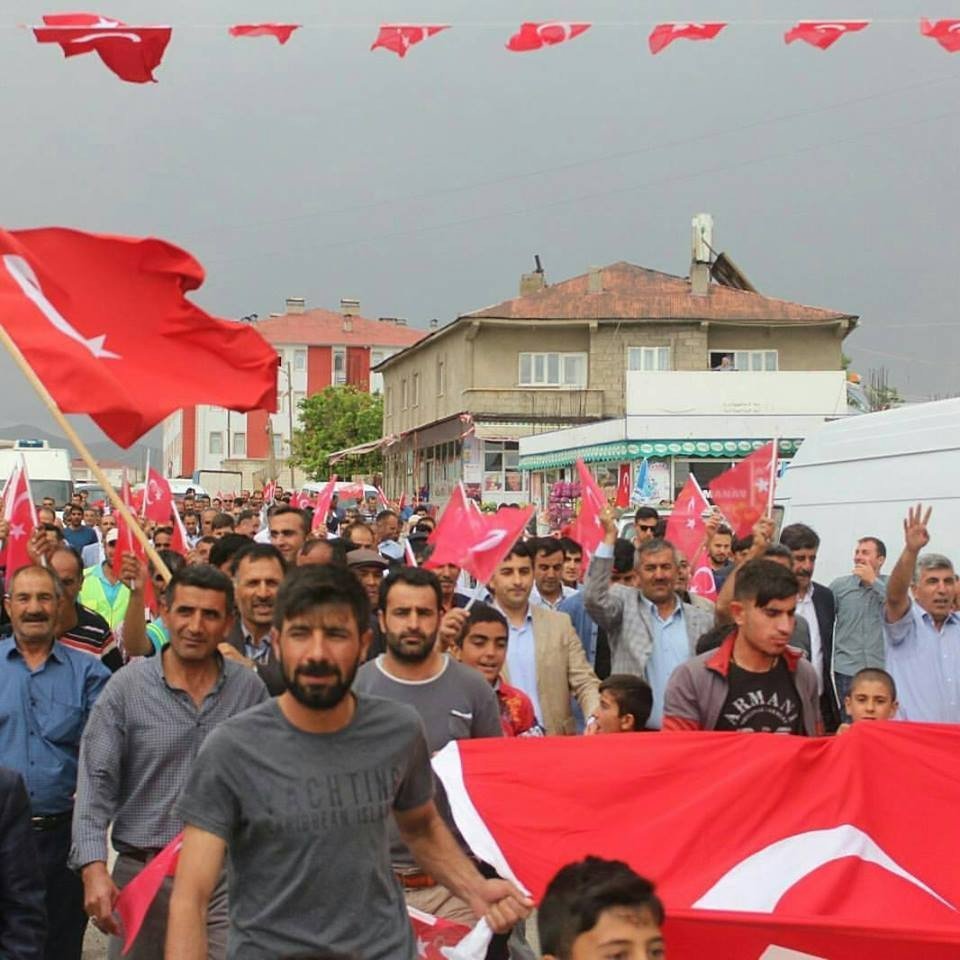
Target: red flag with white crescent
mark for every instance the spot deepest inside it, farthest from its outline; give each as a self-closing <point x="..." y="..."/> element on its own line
<point x="157" y="498"/>
<point x="587" y="529"/>
<point x="823" y="33"/>
<point x="623" y="485"/>
<point x="945" y="32"/>
<point x="280" y="31"/>
<point x="398" y="38"/>
<point x="663" y="34"/>
<point x="686" y="527"/>
<point x="535" y="36"/>
<point x="753" y="841"/>
<point x="21" y="513"/>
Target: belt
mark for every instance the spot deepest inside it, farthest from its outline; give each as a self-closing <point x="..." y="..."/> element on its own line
<point x="416" y="881"/>
<point x="141" y="856"/>
<point x="51" y="821"/>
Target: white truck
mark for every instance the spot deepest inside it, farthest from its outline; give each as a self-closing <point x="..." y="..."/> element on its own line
<point x="48" y="468"/>
<point x="856" y="477"/>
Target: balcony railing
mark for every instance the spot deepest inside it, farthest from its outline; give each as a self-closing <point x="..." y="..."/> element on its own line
<point x="535" y="403"/>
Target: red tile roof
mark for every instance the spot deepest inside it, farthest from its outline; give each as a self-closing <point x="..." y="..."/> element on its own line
<point x="324" y="327"/>
<point x="630" y="292"/>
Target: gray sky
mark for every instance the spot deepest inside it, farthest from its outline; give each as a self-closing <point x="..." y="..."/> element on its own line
<point x="423" y="187"/>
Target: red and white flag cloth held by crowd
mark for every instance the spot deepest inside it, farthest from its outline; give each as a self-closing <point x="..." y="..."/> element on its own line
<point x="157" y="498"/>
<point x="753" y="841"/>
<point x="281" y="31"/>
<point x="322" y="507"/>
<point x="132" y="53"/>
<point x="398" y="38"/>
<point x="744" y="493"/>
<point x="19" y="511"/>
<point x="104" y="323"/>
<point x="663" y="34"/>
<point x="823" y="33"/>
<point x="534" y="36"/>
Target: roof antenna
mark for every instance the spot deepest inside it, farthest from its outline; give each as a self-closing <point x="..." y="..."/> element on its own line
<point x="536" y="260"/>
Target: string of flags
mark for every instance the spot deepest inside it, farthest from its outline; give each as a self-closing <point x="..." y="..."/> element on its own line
<point x="134" y="52"/>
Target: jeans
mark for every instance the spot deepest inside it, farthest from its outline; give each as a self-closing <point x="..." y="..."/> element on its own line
<point x="843" y="683"/>
<point x="66" y="919"/>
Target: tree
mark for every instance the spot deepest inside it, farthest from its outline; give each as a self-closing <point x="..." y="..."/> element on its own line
<point x="333" y="419"/>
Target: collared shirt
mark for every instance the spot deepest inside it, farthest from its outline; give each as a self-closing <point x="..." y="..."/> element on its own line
<point x="858" y="631"/>
<point x="925" y="663"/>
<point x="257" y="652"/>
<point x="671" y="647"/>
<point x="42" y="715"/>
<point x="138" y="749"/>
<point x="522" y="659"/>
<point x="91" y="634"/>
<point x="808" y="611"/>
<point x="538" y="600"/>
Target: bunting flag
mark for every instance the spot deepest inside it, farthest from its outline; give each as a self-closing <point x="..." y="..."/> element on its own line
<point x="105" y="324"/>
<point x="587" y="529"/>
<point x="398" y="38"/>
<point x="132" y="53"/>
<point x="282" y="31"/>
<point x="21" y="513"/>
<point x="534" y="36"/>
<point x="823" y="33"/>
<point x="945" y="32"/>
<point x="753" y="842"/>
<point x="744" y="493"/>
<point x="663" y="34"/>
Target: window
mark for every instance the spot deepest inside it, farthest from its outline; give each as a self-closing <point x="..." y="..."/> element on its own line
<point x="416" y="389"/>
<point x="403" y="394"/>
<point x="298" y="397"/>
<point x="553" y="369"/>
<point x="299" y="360"/>
<point x="744" y="360"/>
<point x="239" y="444"/>
<point x="648" y="358"/>
<point x="339" y="366"/>
<point x="278" y="444"/>
<point x="441" y="378"/>
<point x="216" y="443"/>
<point x="501" y="466"/>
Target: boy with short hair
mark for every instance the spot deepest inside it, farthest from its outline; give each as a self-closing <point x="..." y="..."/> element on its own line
<point x="872" y="696"/>
<point x="482" y="644"/>
<point x="625" y="704"/>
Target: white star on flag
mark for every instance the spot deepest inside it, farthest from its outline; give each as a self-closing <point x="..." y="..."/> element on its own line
<point x="762" y="484"/>
<point x="17" y="532"/>
<point x="691" y="523"/>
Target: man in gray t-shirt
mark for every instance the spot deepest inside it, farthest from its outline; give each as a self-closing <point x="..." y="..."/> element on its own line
<point x="299" y="793"/>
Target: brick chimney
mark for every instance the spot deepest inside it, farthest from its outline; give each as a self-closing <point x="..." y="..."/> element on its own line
<point x="533" y="282"/>
<point x="296" y="304"/>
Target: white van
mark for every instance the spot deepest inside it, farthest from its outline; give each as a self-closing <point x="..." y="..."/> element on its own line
<point x="48" y="468"/>
<point x="856" y="477"/>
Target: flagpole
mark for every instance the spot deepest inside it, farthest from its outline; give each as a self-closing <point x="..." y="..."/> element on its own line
<point x="773" y="474"/>
<point x="84" y="452"/>
<point x="146" y="487"/>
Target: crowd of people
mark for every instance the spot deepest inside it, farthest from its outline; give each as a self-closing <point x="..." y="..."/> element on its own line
<point x="279" y="700"/>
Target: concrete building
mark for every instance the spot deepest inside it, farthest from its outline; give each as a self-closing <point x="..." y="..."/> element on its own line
<point x="315" y="349"/>
<point x="559" y="355"/>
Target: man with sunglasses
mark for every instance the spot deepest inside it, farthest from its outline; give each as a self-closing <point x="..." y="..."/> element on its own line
<point x="645" y="525"/>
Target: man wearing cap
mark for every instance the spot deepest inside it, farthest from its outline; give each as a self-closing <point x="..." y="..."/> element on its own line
<point x="102" y="591"/>
<point x="368" y="567"/>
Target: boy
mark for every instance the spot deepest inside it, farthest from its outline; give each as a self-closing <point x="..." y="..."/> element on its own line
<point x="872" y="696"/>
<point x="482" y="644"/>
<point x="625" y="705"/>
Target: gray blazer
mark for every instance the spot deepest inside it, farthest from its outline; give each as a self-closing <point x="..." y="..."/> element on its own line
<point x="629" y="628"/>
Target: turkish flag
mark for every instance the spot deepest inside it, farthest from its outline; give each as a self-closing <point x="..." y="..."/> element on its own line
<point x="157" y="498"/>
<point x="753" y="840"/>
<point x="945" y="32"/>
<point x="127" y="542"/>
<point x="104" y="323"/>
<point x="686" y="529"/>
<point x="663" y="34"/>
<point x="178" y="542"/>
<point x="322" y="507"/>
<point x="21" y="513"/>
<point x="744" y="492"/>
<point x="458" y="515"/>
<point x="823" y="33"/>
<point x="135" y="898"/>
<point x="533" y="36"/>
<point x="282" y="31"/>
<point x="623" y="485"/>
<point x="400" y="37"/>
<point x="132" y="53"/>
<point x="587" y="529"/>
<point x="439" y="939"/>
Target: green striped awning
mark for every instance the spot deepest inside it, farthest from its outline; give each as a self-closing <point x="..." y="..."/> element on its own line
<point x="622" y="450"/>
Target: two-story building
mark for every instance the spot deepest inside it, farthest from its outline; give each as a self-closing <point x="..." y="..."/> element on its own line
<point x="560" y="356"/>
<point x="315" y="349"/>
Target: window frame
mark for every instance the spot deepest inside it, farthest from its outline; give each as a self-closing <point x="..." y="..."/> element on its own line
<point x="538" y="365"/>
<point x="656" y="352"/>
<point x="750" y="352"/>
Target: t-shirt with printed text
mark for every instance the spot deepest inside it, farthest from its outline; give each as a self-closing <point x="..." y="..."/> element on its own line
<point x="761" y="702"/>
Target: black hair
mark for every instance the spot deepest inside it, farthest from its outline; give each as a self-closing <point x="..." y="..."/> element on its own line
<point x="172" y="559"/>
<point x="311" y="586"/>
<point x="66" y="548"/>
<point x="764" y="580"/>
<point x="580" y="892"/>
<point x="283" y="510"/>
<point x="247" y="515"/>
<point x="254" y="551"/>
<point x="633" y="696"/>
<point x="412" y="577"/>
<point x="223" y="549"/>
<point x="742" y="543"/>
<point x="877" y="542"/>
<point x="548" y="546"/>
<point x="876" y="675"/>
<point x="203" y="576"/>
<point x="337" y="545"/>
<point x="222" y="520"/>
<point x="724" y="531"/>
<point x="207" y="538"/>
<point x="798" y="536"/>
<point x="482" y="613"/>
<point x="778" y="550"/>
<point x="570" y="546"/>
<point x="646" y="513"/>
<point x="624" y="555"/>
<point x="52" y="527"/>
<point x="383" y="514"/>
<point x="520" y="549"/>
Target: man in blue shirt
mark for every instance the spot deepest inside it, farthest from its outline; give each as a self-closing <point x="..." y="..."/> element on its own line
<point x="75" y="532"/>
<point x="46" y="693"/>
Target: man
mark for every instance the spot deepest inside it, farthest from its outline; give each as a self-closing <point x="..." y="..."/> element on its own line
<point x="23" y="918"/>
<point x="600" y="910"/>
<point x="572" y="563"/>
<point x="201" y="550"/>
<point x="650" y="630"/>
<point x="47" y="692"/>
<point x="322" y="552"/>
<point x="387" y="526"/>
<point x="94" y="554"/>
<point x="163" y="538"/>
<point x="77" y="627"/>
<point x="74" y="531"/>
<point x="816" y="605"/>
<point x="923" y="633"/>
<point x="248" y="523"/>
<point x="221" y="525"/>
<point x="449" y="576"/>
<point x="548" y="562"/>
<point x="206" y="521"/>
<point x="258" y="570"/>
<point x="645" y="523"/>
<point x="191" y="524"/>
<point x="755" y="682"/>
<point x="545" y="658"/>
<point x="719" y="550"/>
<point x="625" y="705"/>
<point x="91" y="518"/>
<point x="361" y="535"/>
<point x="333" y="769"/>
<point x="225" y="549"/>
<point x="858" y="629"/>
<point x="102" y="590"/>
<point x="138" y="749"/>
<point x="288" y="531"/>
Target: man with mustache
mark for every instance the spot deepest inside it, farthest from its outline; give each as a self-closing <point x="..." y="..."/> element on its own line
<point x="300" y="793"/>
<point x="47" y="691"/>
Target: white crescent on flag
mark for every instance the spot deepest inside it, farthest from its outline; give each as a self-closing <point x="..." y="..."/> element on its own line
<point x="132" y="37"/>
<point x="566" y="28"/>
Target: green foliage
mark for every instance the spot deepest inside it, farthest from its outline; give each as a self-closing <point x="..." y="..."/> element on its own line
<point x="333" y="419"/>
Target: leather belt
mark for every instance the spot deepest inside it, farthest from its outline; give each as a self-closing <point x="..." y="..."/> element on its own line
<point x="416" y="881"/>
<point x="51" y="821"/>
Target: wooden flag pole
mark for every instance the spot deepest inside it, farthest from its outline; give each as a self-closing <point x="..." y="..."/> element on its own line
<point x="85" y="453"/>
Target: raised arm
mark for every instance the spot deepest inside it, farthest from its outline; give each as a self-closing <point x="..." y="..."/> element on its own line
<point x="915" y="538"/>
<point x="136" y="643"/>
<point x="602" y="603"/>
<point x="762" y="535"/>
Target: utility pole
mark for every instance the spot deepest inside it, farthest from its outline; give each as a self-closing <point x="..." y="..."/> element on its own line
<point x="290" y="423"/>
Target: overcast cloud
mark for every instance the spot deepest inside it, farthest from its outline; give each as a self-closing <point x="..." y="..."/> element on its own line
<point x="423" y="187"/>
